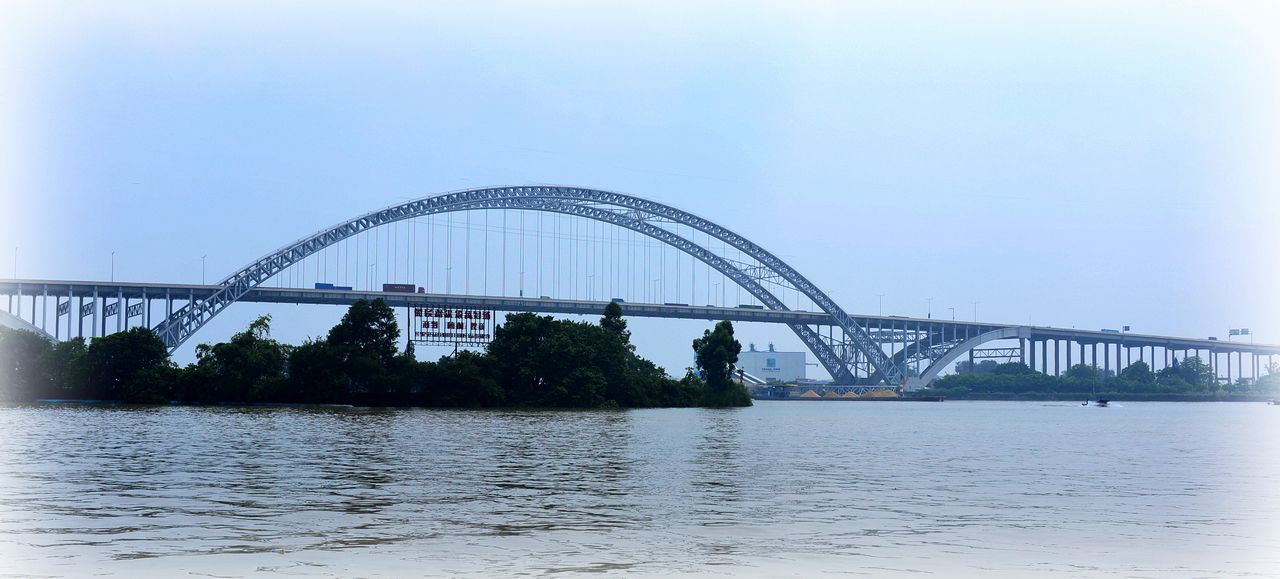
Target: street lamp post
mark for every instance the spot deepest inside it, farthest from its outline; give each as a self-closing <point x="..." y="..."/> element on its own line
<point x="953" y="314"/>
<point x="113" y="267"/>
<point x="202" y="269"/>
<point x="881" y="296"/>
<point x="975" y="311"/>
<point x="929" y="314"/>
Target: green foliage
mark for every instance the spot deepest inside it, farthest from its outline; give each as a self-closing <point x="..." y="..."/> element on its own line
<point x="613" y="323"/>
<point x="716" y="355"/>
<point x="250" y="367"/>
<point x="1138" y="372"/>
<point x="21" y="367"/>
<point x="1189" y="379"/>
<point x="1012" y="368"/>
<point x="1084" y="372"/>
<point x="533" y="361"/>
<point x="116" y="359"/>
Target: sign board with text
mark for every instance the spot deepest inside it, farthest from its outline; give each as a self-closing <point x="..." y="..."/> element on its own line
<point x="451" y="326"/>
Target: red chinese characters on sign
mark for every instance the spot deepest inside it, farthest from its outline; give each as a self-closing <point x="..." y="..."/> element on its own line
<point x="452" y="326"/>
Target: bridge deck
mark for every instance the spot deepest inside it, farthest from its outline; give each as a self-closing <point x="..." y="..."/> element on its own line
<point x="183" y="292"/>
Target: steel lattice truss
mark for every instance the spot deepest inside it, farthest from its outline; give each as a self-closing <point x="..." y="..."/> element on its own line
<point x="856" y="350"/>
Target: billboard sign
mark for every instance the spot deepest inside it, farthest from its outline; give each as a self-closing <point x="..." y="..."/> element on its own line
<point x="434" y="325"/>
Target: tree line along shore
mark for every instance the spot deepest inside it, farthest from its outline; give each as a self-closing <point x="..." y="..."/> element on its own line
<point x="1190" y="379"/>
<point x="533" y="362"/>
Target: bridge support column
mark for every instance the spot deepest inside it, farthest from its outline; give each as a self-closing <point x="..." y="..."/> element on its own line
<point x="121" y="306"/>
<point x="1057" y="357"/>
<point x="44" y="312"/>
<point x="1106" y="358"/>
<point x="96" y="309"/>
<point x="1031" y="356"/>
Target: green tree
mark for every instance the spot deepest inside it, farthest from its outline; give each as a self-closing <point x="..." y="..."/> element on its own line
<point x="1196" y="372"/>
<point x="1084" y="372"/>
<point x="116" y="359"/>
<point x="68" y="366"/>
<point x="1012" y="368"/>
<point x="316" y="375"/>
<point x="368" y="329"/>
<point x="716" y="355"/>
<point x="365" y="343"/>
<point x="1138" y="372"/>
<point x="248" y="368"/>
<point x="613" y="323"/>
<point x="23" y="374"/>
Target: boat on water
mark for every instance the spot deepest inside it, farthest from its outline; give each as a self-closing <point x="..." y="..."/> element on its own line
<point x="1274" y="402"/>
<point x="1099" y="403"/>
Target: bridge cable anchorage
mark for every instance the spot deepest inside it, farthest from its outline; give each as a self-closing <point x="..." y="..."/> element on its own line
<point x="637" y="214"/>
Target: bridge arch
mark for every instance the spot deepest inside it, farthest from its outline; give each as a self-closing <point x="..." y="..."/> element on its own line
<point x="931" y="373"/>
<point x="622" y="210"/>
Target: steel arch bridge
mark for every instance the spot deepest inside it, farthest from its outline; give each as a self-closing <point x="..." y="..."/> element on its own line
<point x="839" y="354"/>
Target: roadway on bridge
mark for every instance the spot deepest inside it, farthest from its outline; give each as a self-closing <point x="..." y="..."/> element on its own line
<point x="184" y="292"/>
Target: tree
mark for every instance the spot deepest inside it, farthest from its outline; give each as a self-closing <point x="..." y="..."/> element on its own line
<point x="315" y="374"/>
<point x="1196" y="372"/>
<point x="368" y="329"/>
<point x="67" y="367"/>
<point x="716" y="355"/>
<point x="1084" y="372"/>
<point x="613" y="323"/>
<point x="365" y="344"/>
<point x="116" y="359"/>
<point x="23" y="375"/>
<point x="250" y="367"/>
<point x="1138" y="372"/>
<point x="1012" y="368"/>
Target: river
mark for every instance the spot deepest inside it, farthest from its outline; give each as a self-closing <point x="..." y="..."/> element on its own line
<point x="803" y="489"/>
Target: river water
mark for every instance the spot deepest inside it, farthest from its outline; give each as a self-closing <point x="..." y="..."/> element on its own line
<point x="953" y="489"/>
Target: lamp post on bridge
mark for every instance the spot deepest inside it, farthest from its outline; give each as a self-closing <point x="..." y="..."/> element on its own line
<point x="929" y="315"/>
<point x="881" y="296"/>
<point x="953" y="314"/>
<point x="975" y="311"/>
<point x="202" y="258"/>
<point x="113" y="267"/>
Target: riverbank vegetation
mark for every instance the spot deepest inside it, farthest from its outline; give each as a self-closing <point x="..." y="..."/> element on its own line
<point x="1189" y="379"/>
<point x="533" y="361"/>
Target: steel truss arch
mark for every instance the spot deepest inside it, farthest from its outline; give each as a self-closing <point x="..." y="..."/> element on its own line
<point x="962" y="348"/>
<point x="635" y="213"/>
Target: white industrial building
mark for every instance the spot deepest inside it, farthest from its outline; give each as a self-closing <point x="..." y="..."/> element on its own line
<point x="772" y="364"/>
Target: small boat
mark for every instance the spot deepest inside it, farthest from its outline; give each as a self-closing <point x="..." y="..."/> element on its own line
<point x="1274" y="402"/>
<point x="1102" y="403"/>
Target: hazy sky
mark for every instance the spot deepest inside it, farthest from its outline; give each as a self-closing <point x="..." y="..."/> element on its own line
<point x="1085" y="164"/>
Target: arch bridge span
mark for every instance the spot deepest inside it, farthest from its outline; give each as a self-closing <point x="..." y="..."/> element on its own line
<point x="855" y="350"/>
<point x="838" y="354"/>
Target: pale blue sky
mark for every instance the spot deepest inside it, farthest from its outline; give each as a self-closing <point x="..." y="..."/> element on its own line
<point x="1089" y="164"/>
